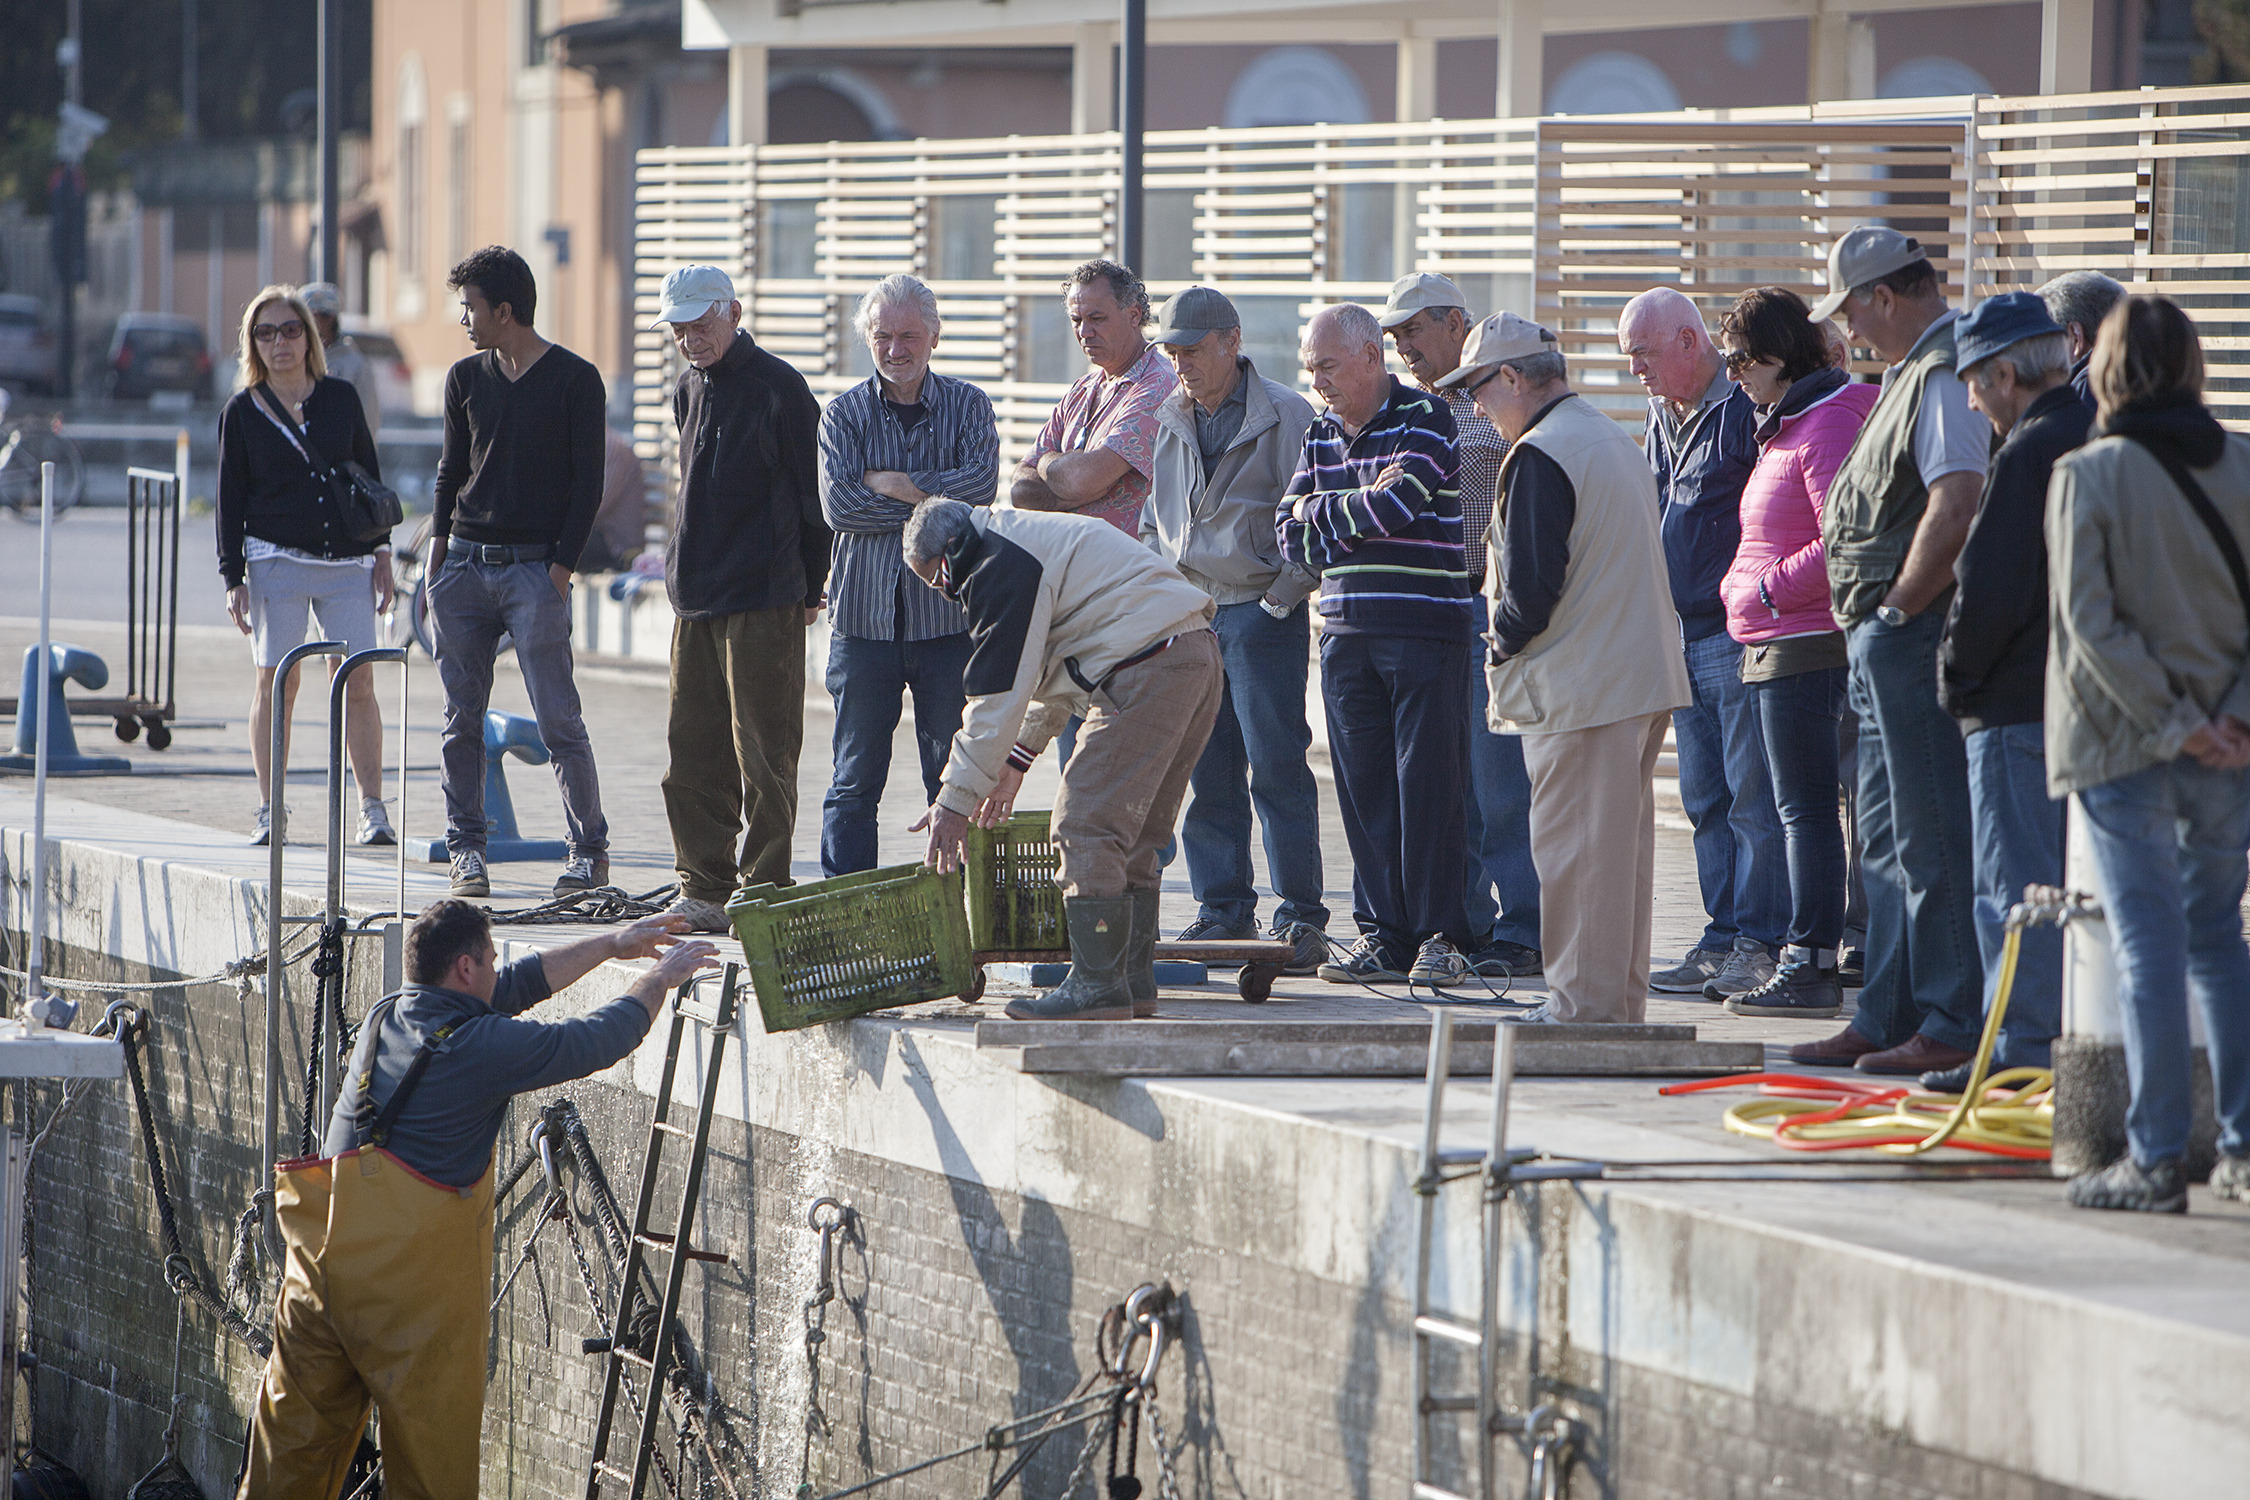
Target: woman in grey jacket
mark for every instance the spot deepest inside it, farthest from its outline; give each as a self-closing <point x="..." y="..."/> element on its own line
<point x="2148" y="722"/>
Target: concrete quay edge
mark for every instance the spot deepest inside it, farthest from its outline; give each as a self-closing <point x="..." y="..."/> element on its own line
<point x="2064" y="1349"/>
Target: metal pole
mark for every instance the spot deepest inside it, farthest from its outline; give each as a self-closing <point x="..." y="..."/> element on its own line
<point x="1496" y="1174"/>
<point x="38" y="958"/>
<point x="405" y="667"/>
<point x="330" y="100"/>
<point x="332" y="1064"/>
<point x="277" y="835"/>
<point x="1132" y="92"/>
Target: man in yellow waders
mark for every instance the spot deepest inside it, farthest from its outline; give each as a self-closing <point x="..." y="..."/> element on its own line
<point x="389" y="1234"/>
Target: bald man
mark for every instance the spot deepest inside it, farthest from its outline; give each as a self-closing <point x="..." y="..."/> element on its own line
<point x="1701" y="440"/>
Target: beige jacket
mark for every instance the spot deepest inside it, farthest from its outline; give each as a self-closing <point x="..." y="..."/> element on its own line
<point x="2147" y="638"/>
<point x="1221" y="534"/>
<point x="1611" y="650"/>
<point x="1055" y="603"/>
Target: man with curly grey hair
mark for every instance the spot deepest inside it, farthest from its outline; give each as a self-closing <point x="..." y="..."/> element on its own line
<point x="887" y="444"/>
<point x="1096" y="453"/>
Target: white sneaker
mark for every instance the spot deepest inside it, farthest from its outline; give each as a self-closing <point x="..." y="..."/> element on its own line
<point x="469" y="877"/>
<point x="375" y="824"/>
<point x="261" y="831"/>
<point x="702" y="916"/>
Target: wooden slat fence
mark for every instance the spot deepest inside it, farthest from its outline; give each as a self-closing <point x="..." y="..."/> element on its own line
<point x="1560" y="218"/>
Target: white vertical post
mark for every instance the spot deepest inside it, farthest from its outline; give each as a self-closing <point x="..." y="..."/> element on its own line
<point x="746" y="96"/>
<point x="1093" y="79"/>
<point x="44" y="677"/>
<point x="2066" y="46"/>
<point x="1523" y="50"/>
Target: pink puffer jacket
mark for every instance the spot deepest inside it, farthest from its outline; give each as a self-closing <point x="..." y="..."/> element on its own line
<point x="1781" y="522"/>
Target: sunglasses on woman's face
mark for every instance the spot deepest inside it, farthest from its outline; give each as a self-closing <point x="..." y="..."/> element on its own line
<point x="1739" y="360"/>
<point x="290" y="332"/>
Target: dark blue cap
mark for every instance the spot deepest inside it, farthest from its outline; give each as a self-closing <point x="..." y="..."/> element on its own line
<point x="1995" y="323"/>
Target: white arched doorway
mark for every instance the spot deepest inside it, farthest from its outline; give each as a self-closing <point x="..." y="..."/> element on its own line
<point x="1295" y="86"/>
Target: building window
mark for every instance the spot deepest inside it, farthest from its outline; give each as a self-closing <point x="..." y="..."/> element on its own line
<point x="413" y="187"/>
<point x="457" y="156"/>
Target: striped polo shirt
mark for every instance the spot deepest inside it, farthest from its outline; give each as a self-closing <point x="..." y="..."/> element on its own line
<point x="953" y="451"/>
<point x="1389" y="556"/>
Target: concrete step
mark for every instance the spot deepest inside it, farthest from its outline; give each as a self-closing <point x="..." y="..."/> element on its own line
<point x="1354" y="1049"/>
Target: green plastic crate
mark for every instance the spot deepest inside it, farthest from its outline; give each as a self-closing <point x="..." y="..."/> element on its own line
<point x="1014" y="903"/>
<point x="830" y="949"/>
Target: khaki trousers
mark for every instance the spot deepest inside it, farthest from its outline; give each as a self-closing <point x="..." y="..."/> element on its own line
<point x="1593" y="841"/>
<point x="383" y="1300"/>
<point x="737" y="725"/>
<point x="1122" y="790"/>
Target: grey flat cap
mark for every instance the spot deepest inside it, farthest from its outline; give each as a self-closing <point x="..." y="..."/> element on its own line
<point x="1192" y="313"/>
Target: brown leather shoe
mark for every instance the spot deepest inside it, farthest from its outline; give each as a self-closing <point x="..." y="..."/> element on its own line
<point x="1838" y="1051"/>
<point x="1917" y="1054"/>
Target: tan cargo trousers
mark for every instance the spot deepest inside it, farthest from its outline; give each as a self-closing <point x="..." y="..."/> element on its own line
<point x="1121" y="792"/>
<point x="1593" y="842"/>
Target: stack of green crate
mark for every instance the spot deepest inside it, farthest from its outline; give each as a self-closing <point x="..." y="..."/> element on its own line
<point x="1014" y="904"/>
<point x="830" y="949"/>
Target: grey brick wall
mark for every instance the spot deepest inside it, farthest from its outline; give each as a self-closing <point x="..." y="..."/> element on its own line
<point x="961" y="1308"/>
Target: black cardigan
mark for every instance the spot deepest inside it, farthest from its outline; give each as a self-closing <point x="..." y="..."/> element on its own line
<point x="267" y="490"/>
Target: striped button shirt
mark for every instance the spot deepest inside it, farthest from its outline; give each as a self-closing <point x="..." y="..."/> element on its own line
<point x="1481" y="447"/>
<point x="1388" y="549"/>
<point x="954" y="451"/>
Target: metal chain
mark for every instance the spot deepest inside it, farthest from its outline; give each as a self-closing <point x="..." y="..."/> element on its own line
<point x="1097" y="1432"/>
<point x="1167" y="1478"/>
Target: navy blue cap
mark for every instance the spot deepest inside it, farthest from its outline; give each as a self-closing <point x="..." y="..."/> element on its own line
<point x="1995" y="323"/>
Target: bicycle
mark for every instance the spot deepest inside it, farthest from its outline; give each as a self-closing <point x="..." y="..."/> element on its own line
<point x="25" y="444"/>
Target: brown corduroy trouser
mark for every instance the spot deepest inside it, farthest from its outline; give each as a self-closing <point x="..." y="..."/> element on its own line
<point x="737" y="725"/>
<point x="1593" y="841"/>
<point x="1122" y="790"/>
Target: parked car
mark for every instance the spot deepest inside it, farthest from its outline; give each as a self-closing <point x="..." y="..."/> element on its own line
<point x="27" y="345"/>
<point x="153" y="352"/>
<point x="394" y="382"/>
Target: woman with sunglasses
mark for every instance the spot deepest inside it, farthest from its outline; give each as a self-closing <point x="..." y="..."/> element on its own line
<point x="284" y="550"/>
<point x="1776" y="594"/>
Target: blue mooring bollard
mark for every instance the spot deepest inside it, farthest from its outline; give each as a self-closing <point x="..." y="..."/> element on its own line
<point x="506" y="735"/>
<point x="65" y="664"/>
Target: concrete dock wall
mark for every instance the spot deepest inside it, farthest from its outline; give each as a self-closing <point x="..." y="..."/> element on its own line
<point x="1717" y="1339"/>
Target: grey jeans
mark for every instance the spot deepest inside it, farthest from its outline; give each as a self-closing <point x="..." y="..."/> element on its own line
<point x="472" y="604"/>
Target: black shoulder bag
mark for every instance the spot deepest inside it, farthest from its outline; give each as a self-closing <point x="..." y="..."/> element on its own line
<point x="368" y="506"/>
<point x="2208" y="514"/>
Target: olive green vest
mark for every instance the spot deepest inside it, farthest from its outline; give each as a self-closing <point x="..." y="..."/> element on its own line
<point x="1877" y="498"/>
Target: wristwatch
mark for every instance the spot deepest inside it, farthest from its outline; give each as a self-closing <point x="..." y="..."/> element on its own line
<point x="1891" y="615"/>
<point x="1278" y="611"/>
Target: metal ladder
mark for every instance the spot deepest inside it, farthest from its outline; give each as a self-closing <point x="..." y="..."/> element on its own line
<point x="1498" y="1168"/>
<point x="718" y="1021"/>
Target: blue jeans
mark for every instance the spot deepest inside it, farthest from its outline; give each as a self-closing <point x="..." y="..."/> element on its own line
<point x="1797" y="717"/>
<point x="1922" y="969"/>
<point x="1256" y="758"/>
<point x="2169" y="846"/>
<point x="1498" y="816"/>
<point x="866" y="679"/>
<point x="1395" y="705"/>
<point x="1727" y="795"/>
<point x="2019" y="842"/>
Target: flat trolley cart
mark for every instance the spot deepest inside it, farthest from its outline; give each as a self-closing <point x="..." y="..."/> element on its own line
<point x="1016" y="912"/>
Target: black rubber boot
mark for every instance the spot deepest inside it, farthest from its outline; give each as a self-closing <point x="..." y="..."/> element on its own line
<point x="1095" y="989"/>
<point x="1140" y="952"/>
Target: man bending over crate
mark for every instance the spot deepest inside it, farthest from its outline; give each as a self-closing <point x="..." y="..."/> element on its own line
<point x="389" y="1231"/>
<point x="1069" y="616"/>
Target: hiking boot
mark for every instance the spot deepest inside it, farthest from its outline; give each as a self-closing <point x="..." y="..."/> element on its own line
<point x="702" y="915"/>
<point x="469" y="877"/>
<point x="2123" y="1184"/>
<point x="1439" y="964"/>
<point x="1140" y="951"/>
<point x="1799" y="988"/>
<point x="1308" y="947"/>
<point x="583" y="872"/>
<point x="1095" y="989"/>
<point x="1747" y="968"/>
<point x="1365" y="962"/>
<point x="1506" y="960"/>
<point x="1212" y="930"/>
<point x="1698" y="969"/>
<point x="2230" y="1178"/>
<point x="375" y="829"/>
<point x="1839" y="1051"/>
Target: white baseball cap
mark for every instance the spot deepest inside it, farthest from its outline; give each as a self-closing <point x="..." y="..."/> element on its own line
<point x="692" y="291"/>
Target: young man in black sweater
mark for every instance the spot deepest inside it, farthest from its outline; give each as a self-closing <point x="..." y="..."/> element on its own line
<point x="518" y="482"/>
